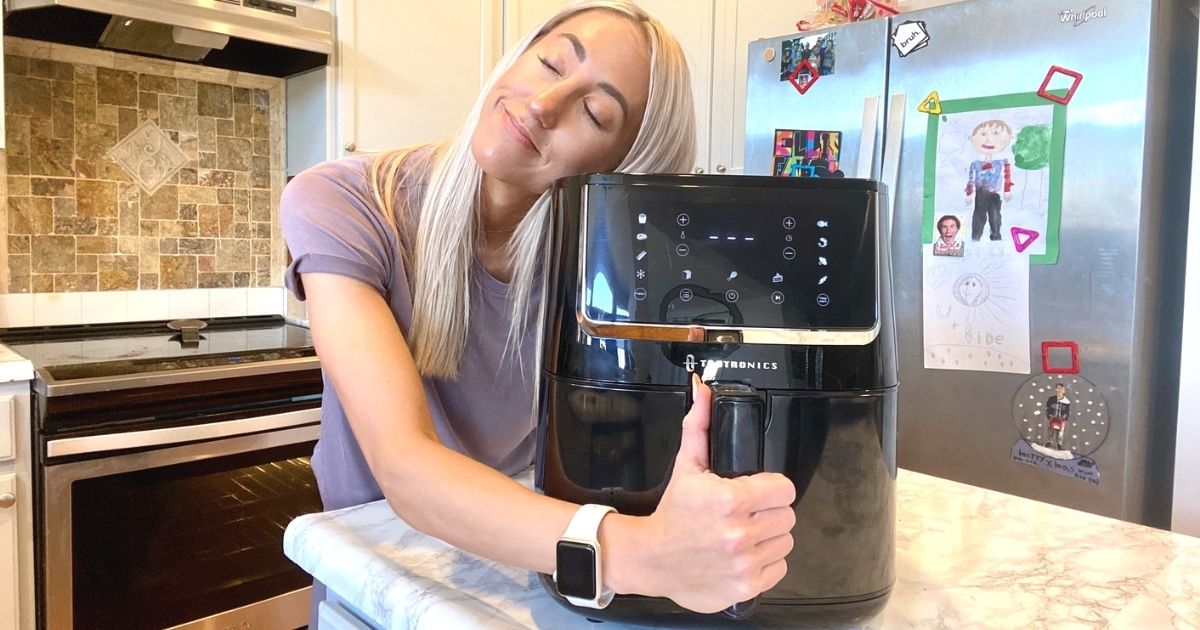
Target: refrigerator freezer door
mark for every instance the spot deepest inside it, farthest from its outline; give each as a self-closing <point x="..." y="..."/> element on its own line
<point x="853" y="59"/>
<point x="981" y="59"/>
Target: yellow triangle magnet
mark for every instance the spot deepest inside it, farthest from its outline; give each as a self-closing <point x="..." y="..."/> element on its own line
<point x="931" y="105"/>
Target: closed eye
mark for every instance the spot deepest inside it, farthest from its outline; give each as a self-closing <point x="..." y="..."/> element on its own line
<point x="595" y="121"/>
<point x="549" y="66"/>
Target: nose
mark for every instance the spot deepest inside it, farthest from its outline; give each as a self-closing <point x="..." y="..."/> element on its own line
<point x="548" y="103"/>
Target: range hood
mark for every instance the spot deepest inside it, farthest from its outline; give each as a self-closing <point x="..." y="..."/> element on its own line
<point x="259" y="36"/>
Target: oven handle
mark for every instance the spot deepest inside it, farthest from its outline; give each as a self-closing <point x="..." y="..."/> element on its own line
<point x="179" y="435"/>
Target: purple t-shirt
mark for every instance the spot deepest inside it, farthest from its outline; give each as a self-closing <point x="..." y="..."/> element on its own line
<point x="332" y="225"/>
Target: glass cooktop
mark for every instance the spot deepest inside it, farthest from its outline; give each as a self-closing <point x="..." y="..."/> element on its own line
<point x="98" y="350"/>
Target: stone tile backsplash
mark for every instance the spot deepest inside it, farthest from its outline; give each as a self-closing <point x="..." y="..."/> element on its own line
<point x="128" y="173"/>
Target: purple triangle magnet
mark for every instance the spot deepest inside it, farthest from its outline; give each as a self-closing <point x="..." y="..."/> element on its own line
<point x="1023" y="238"/>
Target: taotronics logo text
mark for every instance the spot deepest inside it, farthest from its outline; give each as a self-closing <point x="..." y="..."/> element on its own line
<point x="690" y="363"/>
<point x="1082" y="17"/>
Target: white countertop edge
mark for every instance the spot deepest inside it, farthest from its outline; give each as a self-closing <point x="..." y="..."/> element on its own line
<point x="14" y="367"/>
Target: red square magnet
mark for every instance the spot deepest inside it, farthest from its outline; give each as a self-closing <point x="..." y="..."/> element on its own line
<point x="812" y="73"/>
<point x="1070" y="345"/>
<point x="1061" y="100"/>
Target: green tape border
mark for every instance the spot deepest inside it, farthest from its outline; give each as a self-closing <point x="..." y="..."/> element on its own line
<point x="1058" y="146"/>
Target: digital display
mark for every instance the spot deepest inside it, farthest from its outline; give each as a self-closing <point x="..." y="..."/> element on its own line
<point x="576" y="570"/>
<point x="750" y="256"/>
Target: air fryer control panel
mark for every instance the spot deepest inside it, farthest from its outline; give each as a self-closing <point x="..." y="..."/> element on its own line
<point x="768" y="256"/>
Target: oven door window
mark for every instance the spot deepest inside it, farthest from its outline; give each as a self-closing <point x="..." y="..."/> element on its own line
<point x="162" y="546"/>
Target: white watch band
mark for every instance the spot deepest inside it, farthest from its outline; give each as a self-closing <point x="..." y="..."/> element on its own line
<point x="583" y="529"/>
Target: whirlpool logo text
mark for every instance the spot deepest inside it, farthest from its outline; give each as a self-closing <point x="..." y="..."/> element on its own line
<point x="1075" y="18"/>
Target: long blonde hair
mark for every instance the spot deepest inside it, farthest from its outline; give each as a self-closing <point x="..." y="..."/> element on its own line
<point x="439" y="263"/>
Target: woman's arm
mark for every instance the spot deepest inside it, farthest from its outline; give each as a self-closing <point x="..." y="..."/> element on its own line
<point x="712" y="542"/>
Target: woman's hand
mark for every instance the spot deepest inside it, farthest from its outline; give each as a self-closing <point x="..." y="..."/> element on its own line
<point x="717" y="541"/>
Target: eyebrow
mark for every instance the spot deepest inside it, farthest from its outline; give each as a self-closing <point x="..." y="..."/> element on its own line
<point x="609" y="88"/>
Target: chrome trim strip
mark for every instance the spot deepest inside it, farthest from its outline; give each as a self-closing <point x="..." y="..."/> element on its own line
<point x="767" y="336"/>
<point x="892" y="144"/>
<point x="311" y="29"/>
<point x="179" y="435"/>
<point x="866" y="143"/>
<point x="682" y="333"/>
<point x="57" y="526"/>
<point x="47" y="385"/>
<point x="284" y="612"/>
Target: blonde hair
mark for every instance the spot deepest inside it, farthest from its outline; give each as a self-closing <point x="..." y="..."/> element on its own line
<point x="447" y="221"/>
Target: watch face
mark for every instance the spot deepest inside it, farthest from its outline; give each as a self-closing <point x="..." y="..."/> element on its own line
<point x="576" y="570"/>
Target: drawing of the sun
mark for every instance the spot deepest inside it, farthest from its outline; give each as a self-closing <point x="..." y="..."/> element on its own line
<point x="971" y="290"/>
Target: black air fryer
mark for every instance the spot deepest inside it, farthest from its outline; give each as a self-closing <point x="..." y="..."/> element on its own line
<point x="777" y="290"/>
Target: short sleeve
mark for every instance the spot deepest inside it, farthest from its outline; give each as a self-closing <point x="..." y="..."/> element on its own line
<point x="332" y="224"/>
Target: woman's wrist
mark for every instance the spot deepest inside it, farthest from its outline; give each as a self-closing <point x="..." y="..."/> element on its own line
<point x="624" y="543"/>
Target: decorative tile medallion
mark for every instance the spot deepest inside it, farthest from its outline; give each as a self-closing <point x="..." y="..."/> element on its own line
<point x="149" y="156"/>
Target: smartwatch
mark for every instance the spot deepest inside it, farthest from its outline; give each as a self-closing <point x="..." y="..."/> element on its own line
<point x="577" y="571"/>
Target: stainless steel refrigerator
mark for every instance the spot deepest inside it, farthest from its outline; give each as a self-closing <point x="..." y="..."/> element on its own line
<point x="1038" y="158"/>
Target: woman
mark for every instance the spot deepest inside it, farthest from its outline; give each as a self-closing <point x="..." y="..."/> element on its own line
<point x="420" y="270"/>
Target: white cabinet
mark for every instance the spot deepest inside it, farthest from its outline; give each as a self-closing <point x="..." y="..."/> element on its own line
<point x="9" y="574"/>
<point x="691" y="22"/>
<point x="521" y="16"/>
<point x="407" y="71"/>
<point x="7" y="428"/>
<point x="16" y="506"/>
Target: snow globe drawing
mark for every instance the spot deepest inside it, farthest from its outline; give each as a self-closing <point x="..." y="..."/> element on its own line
<point x="1062" y="420"/>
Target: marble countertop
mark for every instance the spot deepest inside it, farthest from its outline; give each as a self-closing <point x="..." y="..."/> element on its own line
<point x="965" y="558"/>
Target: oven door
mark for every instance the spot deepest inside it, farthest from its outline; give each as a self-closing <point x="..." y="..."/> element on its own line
<point x="178" y="527"/>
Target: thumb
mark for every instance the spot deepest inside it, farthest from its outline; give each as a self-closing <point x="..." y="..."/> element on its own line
<point x="693" y="444"/>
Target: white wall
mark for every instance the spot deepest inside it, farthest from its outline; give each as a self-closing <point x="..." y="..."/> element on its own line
<point x="1185" y="517"/>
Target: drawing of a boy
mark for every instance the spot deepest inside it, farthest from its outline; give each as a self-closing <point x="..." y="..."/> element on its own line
<point x="989" y="178"/>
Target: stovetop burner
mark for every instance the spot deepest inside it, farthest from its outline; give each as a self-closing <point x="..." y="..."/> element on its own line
<point x="94" y="352"/>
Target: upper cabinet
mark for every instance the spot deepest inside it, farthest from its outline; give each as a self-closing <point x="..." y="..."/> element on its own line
<point x="408" y="72"/>
<point x="522" y="16"/>
<point x="691" y="22"/>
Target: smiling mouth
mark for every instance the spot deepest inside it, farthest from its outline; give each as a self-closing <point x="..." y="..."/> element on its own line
<point x="519" y="132"/>
<point x="989" y="147"/>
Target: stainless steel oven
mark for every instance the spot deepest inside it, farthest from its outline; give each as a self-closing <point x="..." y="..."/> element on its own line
<point x="169" y="463"/>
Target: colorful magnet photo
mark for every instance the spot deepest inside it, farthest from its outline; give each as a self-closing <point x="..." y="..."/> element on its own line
<point x="931" y="105"/>
<point x="1047" y="366"/>
<point x="804" y="76"/>
<point x="808" y="153"/>
<point x="910" y="37"/>
<point x="1044" y="92"/>
<point x="1023" y="238"/>
<point x="1062" y="420"/>
<point x="820" y="51"/>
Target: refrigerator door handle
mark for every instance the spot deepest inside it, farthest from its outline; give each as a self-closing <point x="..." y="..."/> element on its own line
<point x="866" y="143"/>
<point x="891" y="155"/>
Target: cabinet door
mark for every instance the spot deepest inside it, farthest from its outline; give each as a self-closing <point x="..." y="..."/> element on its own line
<point x="691" y="22"/>
<point x="409" y="70"/>
<point x="9" y="617"/>
<point x="521" y="16"/>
